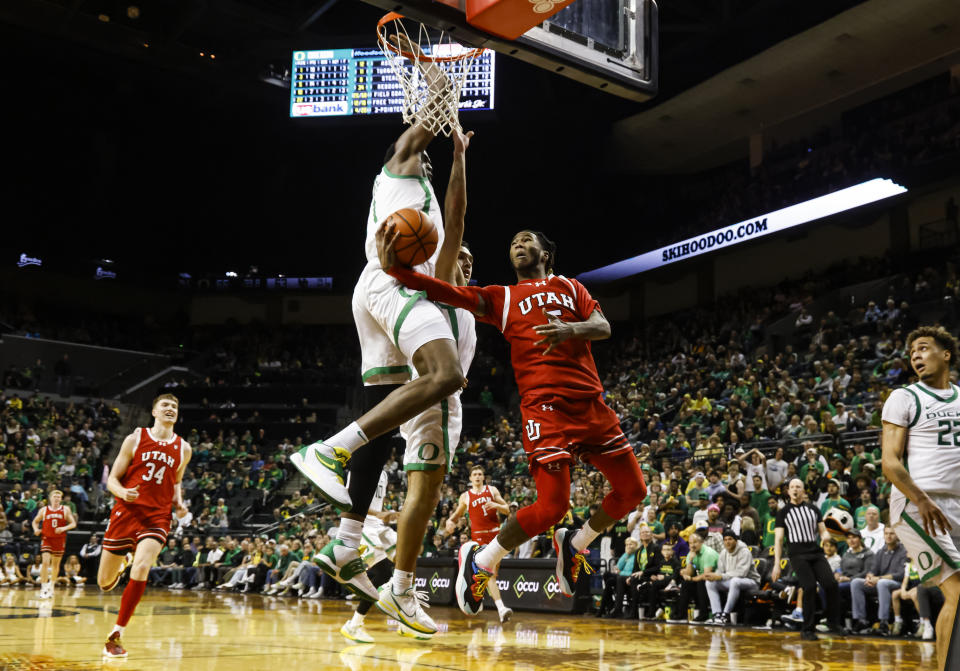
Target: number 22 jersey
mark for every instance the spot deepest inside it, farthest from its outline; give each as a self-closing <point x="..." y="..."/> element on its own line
<point x="154" y="467"/>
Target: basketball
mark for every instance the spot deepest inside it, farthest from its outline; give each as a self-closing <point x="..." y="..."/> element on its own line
<point x="418" y="236"/>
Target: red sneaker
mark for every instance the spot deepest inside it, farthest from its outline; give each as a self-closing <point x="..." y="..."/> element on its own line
<point x="113" y="648"/>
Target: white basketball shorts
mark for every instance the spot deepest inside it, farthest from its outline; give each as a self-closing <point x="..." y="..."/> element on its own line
<point x="392" y="322"/>
<point x="936" y="557"/>
<point x="433" y="435"/>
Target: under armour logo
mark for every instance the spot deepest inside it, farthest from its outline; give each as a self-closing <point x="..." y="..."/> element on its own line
<point x="546" y="407"/>
<point x="541" y="283"/>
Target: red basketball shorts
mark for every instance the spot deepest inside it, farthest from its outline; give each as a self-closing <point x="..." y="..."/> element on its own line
<point x="484" y="536"/>
<point x="556" y="429"/>
<point x="128" y="526"/>
<point x="55" y="545"/>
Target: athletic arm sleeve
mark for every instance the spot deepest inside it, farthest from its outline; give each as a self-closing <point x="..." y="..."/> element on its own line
<point x="467" y="298"/>
<point x="900" y="407"/>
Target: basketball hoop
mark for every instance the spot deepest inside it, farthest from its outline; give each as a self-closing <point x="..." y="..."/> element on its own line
<point x="431" y="71"/>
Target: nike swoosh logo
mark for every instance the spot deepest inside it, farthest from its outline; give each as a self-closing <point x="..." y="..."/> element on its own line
<point x="332" y="464"/>
<point x="400" y="608"/>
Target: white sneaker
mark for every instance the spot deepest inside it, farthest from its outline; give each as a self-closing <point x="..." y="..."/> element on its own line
<point x="323" y="465"/>
<point x="505" y="615"/>
<point x="314" y="593"/>
<point x="929" y="633"/>
<point x="407" y="608"/>
<point x="355" y="632"/>
<point x="344" y="564"/>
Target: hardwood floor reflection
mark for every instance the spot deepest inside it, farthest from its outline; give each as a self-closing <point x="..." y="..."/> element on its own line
<point x="208" y="632"/>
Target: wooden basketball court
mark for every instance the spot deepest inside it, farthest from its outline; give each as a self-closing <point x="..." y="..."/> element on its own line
<point x="212" y="632"/>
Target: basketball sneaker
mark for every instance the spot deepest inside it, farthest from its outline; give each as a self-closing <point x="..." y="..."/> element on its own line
<point x="355" y="632"/>
<point x="407" y="608"/>
<point x="404" y="630"/>
<point x="569" y="562"/>
<point x="471" y="580"/>
<point x="505" y="615"/>
<point x="344" y="564"/>
<point x="113" y="647"/>
<point x="127" y="560"/>
<point x="323" y="465"/>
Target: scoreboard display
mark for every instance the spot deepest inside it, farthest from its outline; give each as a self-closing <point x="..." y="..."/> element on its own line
<point x="347" y="82"/>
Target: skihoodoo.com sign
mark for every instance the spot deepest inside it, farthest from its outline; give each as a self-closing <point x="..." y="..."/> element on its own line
<point x="751" y="229"/>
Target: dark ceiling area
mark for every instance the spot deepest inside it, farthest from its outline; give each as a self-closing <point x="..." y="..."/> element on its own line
<point x="143" y="131"/>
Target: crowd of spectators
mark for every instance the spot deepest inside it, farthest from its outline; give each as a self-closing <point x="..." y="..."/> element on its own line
<point x="721" y="414"/>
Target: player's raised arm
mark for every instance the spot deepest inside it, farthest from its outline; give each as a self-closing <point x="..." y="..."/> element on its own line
<point x="475" y="299"/>
<point x="455" y="209"/>
<point x="120" y="465"/>
<point x="414" y="140"/>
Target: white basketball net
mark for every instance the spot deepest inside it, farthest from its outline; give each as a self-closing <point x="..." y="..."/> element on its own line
<point x="431" y="71"/>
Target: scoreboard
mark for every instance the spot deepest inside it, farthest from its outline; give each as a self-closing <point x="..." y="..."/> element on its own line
<point x="347" y="82"/>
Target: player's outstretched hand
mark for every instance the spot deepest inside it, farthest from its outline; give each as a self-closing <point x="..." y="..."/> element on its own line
<point x="934" y="521"/>
<point x="461" y="141"/>
<point x="386" y="239"/>
<point x="554" y="331"/>
<point x="182" y="509"/>
<point x="131" y="493"/>
<point x="405" y="45"/>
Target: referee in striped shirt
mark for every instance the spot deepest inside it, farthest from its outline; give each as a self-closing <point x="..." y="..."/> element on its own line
<point x="803" y="527"/>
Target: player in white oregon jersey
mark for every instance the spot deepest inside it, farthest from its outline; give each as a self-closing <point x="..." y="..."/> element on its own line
<point x="399" y="331"/>
<point x="921" y="458"/>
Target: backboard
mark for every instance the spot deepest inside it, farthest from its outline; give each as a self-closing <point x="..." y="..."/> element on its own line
<point x="608" y="44"/>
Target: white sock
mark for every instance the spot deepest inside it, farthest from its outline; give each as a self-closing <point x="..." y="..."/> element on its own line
<point x="350" y="438"/>
<point x="116" y="629"/>
<point x="489" y="557"/>
<point x="357" y="619"/>
<point x="897" y="618"/>
<point x="402" y="580"/>
<point x="499" y="604"/>
<point x="925" y="621"/>
<point x="583" y="537"/>
<point x="349" y="532"/>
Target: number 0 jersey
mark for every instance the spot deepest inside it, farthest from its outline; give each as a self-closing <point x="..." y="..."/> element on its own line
<point x="154" y="467"/>
<point x="52" y="518"/>
<point x="932" y="418"/>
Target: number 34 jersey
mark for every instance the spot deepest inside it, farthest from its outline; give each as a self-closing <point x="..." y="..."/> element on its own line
<point x="932" y="418"/>
<point x="154" y="467"/>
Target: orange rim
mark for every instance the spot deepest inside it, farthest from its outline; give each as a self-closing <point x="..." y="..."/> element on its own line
<point x="385" y="44"/>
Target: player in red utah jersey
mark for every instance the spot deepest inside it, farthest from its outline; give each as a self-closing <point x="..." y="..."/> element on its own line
<point x="482" y="503"/>
<point x="52" y="523"/>
<point x="145" y="480"/>
<point x="549" y="321"/>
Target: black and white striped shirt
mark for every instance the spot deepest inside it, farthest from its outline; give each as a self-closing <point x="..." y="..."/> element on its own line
<point x="801" y="526"/>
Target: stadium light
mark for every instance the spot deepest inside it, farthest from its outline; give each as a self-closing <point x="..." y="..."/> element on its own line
<point x="750" y="229"/>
